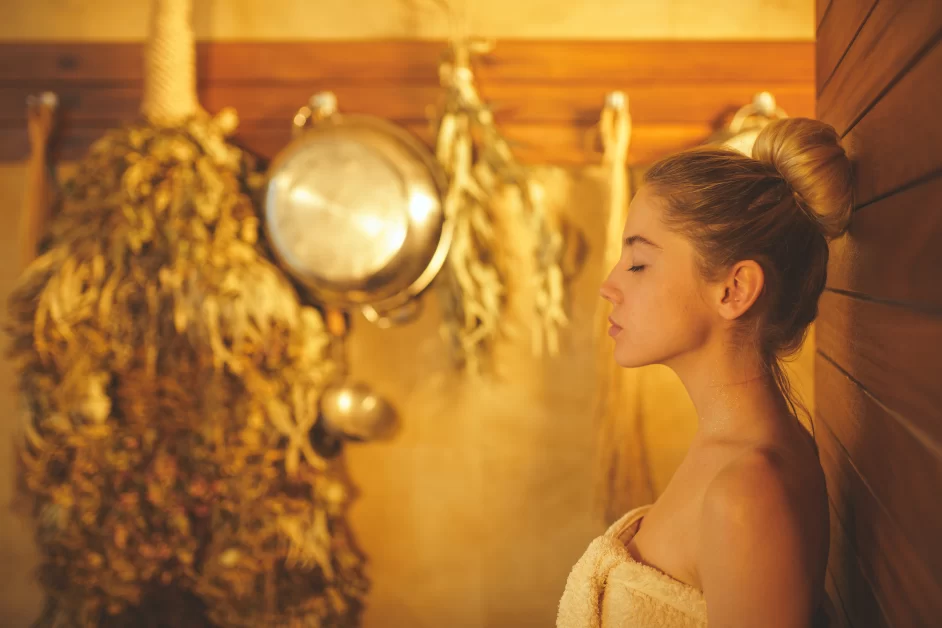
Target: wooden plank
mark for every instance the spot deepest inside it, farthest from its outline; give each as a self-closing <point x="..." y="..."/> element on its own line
<point x="895" y="34"/>
<point x="821" y="8"/>
<point x="873" y="435"/>
<point x="655" y="61"/>
<point x="275" y="104"/>
<point x="860" y="604"/>
<point x="69" y="142"/>
<point x="391" y="61"/>
<point x="893" y="250"/>
<point x="122" y="62"/>
<point x="836" y="32"/>
<point x="902" y="584"/>
<point x="837" y="615"/>
<point x="899" y="141"/>
<point x="564" y="104"/>
<point x="554" y="144"/>
<point x="891" y="351"/>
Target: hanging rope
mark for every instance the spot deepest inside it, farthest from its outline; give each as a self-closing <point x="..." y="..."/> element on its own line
<point x="170" y="65"/>
<point x="615" y="128"/>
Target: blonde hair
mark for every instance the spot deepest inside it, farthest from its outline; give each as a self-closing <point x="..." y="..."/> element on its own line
<point x="779" y="207"/>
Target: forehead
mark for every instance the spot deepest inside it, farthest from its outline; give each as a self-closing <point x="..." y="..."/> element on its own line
<point x="644" y="215"/>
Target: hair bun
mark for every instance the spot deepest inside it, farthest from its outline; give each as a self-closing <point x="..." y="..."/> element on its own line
<point x="809" y="157"/>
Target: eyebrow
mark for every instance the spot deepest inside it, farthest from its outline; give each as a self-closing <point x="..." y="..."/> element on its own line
<point x="639" y="239"/>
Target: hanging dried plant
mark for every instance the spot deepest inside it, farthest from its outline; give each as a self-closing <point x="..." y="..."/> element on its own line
<point x="505" y="239"/>
<point x="171" y="380"/>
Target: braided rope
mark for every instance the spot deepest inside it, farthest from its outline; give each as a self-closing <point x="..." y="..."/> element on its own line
<point x="169" y="65"/>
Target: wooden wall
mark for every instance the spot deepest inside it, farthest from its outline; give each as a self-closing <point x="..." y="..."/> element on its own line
<point x="878" y="376"/>
<point x="550" y="93"/>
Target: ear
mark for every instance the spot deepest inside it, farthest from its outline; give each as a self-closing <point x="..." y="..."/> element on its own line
<point x="743" y="285"/>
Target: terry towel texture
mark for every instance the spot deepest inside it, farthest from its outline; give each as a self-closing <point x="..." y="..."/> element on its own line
<point x="607" y="588"/>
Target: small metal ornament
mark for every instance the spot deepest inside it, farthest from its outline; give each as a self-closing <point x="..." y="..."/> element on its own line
<point x="351" y="409"/>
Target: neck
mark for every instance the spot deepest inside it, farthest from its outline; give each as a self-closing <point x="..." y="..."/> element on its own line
<point x="734" y="394"/>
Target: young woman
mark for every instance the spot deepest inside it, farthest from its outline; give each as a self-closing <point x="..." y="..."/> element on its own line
<point x="724" y="259"/>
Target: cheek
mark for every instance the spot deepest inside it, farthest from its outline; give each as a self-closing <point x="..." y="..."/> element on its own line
<point x="662" y="319"/>
<point x="650" y="299"/>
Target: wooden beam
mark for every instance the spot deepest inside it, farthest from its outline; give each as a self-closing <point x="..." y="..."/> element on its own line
<point x="540" y="61"/>
<point x="532" y="143"/>
<point x="547" y="94"/>
<point x="699" y="103"/>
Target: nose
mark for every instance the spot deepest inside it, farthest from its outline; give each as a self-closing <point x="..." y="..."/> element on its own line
<point x="610" y="292"/>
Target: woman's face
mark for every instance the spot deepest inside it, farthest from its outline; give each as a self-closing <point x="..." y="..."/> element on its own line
<point x="659" y="305"/>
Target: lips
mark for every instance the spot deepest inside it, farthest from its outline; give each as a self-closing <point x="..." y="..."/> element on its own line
<point x="615" y="329"/>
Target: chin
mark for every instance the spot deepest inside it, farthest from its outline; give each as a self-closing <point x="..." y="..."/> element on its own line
<point x="633" y="359"/>
<point x="632" y="356"/>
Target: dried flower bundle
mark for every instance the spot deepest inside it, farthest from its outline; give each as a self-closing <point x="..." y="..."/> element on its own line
<point x="172" y="380"/>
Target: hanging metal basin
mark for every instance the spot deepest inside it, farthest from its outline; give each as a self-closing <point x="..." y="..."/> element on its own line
<point x="353" y="210"/>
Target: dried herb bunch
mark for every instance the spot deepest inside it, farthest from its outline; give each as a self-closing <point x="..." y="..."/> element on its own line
<point x="171" y="379"/>
<point x="506" y="244"/>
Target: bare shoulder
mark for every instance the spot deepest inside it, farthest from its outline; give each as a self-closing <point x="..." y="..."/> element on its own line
<point x="749" y="490"/>
<point x="759" y="554"/>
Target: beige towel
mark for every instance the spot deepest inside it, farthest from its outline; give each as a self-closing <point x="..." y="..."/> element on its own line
<point x="607" y="588"/>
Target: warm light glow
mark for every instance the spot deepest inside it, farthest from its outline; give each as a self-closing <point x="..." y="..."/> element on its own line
<point x="344" y="401"/>
<point x="303" y="196"/>
<point x="420" y="207"/>
<point x="373" y="226"/>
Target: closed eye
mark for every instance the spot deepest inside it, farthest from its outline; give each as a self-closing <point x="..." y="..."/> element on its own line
<point x="636" y="269"/>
